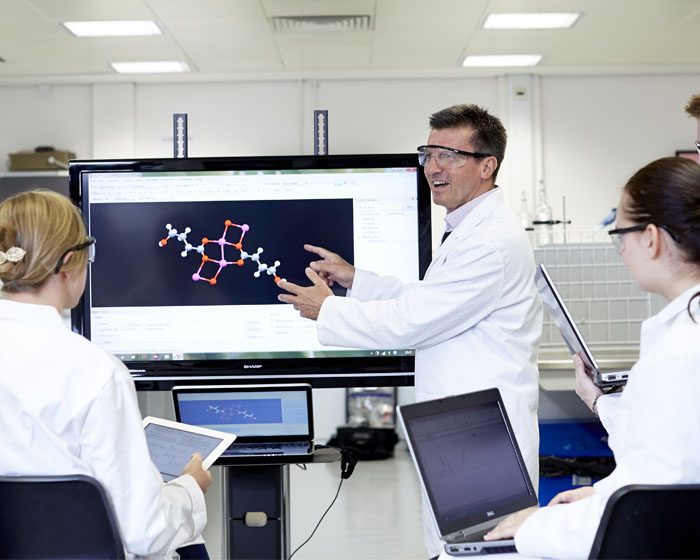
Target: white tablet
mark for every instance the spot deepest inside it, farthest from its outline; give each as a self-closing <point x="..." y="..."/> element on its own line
<point x="171" y="445"/>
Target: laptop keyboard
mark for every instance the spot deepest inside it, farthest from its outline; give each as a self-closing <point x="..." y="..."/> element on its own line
<point x="479" y="537"/>
<point x="268" y="449"/>
<point x="476" y="537"/>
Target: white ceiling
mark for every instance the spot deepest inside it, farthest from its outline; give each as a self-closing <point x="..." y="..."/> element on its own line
<point x="235" y="39"/>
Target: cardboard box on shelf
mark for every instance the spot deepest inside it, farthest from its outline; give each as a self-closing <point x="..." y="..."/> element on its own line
<point x="39" y="161"/>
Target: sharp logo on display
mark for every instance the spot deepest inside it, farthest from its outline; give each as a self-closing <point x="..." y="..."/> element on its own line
<point x="252" y="366"/>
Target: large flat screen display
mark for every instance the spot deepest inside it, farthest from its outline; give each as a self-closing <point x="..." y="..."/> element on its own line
<point x="189" y="253"/>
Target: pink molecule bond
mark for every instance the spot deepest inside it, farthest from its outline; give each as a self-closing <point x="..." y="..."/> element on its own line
<point x="221" y="261"/>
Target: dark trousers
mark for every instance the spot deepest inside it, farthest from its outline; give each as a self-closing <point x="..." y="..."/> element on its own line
<point x="193" y="552"/>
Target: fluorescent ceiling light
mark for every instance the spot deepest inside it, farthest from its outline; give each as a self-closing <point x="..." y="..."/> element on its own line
<point x="150" y="67"/>
<point x="502" y="60"/>
<point x="530" y="21"/>
<point x="113" y="28"/>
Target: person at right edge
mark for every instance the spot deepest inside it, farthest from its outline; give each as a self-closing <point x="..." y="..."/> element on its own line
<point x="475" y="320"/>
<point x="654" y="424"/>
<point x="693" y="109"/>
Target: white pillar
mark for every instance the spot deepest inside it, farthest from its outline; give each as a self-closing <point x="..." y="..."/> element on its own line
<point x="520" y="104"/>
<point x="113" y="121"/>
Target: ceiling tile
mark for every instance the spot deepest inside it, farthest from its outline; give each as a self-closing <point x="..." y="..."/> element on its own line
<point x="412" y="36"/>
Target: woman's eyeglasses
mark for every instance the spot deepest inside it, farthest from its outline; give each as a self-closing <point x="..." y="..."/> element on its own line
<point x="88" y="244"/>
<point x="616" y="234"/>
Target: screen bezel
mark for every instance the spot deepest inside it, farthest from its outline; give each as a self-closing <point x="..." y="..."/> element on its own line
<point x="225" y="439"/>
<point x="296" y="387"/>
<point x="562" y="318"/>
<point x="319" y="372"/>
<point x="484" y="518"/>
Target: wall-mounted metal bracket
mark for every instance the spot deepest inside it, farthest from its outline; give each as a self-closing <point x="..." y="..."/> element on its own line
<point x="320" y="133"/>
<point x="180" y="135"/>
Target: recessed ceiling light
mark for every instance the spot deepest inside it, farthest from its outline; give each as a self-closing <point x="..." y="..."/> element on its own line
<point x="530" y="21"/>
<point x="150" y="67"/>
<point x="113" y="28"/>
<point x="502" y="60"/>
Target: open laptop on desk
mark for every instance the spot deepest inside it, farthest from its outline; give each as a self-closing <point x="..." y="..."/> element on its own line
<point x="272" y="423"/>
<point x="570" y="332"/>
<point x="470" y="467"/>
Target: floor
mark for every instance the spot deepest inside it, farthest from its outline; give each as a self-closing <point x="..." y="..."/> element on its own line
<point x="377" y="515"/>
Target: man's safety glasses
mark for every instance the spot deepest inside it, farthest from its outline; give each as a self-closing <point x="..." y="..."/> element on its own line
<point x="444" y="157"/>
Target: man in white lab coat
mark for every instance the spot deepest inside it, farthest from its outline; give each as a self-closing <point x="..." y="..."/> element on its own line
<point x="475" y="320"/>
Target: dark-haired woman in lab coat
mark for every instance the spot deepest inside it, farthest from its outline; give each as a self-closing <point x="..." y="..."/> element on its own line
<point x="654" y="424"/>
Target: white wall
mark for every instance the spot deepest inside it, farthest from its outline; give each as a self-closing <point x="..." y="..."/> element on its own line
<point x="32" y="116"/>
<point x="583" y="135"/>
<point x="241" y="119"/>
<point x="597" y="131"/>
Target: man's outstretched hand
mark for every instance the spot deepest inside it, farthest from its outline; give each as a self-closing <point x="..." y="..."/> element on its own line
<point x="306" y="299"/>
<point x="333" y="268"/>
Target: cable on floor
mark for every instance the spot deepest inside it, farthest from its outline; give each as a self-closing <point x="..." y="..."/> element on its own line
<point x="319" y="521"/>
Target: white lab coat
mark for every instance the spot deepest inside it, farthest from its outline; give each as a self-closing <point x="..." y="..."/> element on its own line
<point x="475" y="320"/>
<point x="654" y="428"/>
<point x="68" y="407"/>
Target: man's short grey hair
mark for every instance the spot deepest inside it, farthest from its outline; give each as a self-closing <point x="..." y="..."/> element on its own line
<point x="489" y="133"/>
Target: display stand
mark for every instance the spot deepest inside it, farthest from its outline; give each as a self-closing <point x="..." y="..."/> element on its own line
<point x="256" y="506"/>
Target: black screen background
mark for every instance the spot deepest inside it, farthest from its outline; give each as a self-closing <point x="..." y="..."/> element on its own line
<point x="132" y="270"/>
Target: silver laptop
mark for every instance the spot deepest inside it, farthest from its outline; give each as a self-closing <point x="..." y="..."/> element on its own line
<point x="470" y="467"/>
<point x="570" y="332"/>
<point x="272" y="423"/>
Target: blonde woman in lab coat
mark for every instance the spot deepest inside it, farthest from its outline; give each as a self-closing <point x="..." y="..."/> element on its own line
<point x="654" y="424"/>
<point x="68" y="407"/>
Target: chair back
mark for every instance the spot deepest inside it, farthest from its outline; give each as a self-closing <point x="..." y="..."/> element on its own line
<point x="650" y="521"/>
<point x="56" y="517"/>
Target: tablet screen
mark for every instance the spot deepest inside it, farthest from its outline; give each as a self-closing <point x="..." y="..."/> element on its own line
<point x="171" y="449"/>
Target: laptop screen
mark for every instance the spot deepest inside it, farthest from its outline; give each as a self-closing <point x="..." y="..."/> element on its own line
<point x="253" y="413"/>
<point x="562" y="318"/>
<point x="468" y="459"/>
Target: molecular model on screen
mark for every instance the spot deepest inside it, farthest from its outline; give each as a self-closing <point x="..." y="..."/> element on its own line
<point x="221" y="261"/>
<point x="231" y="411"/>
